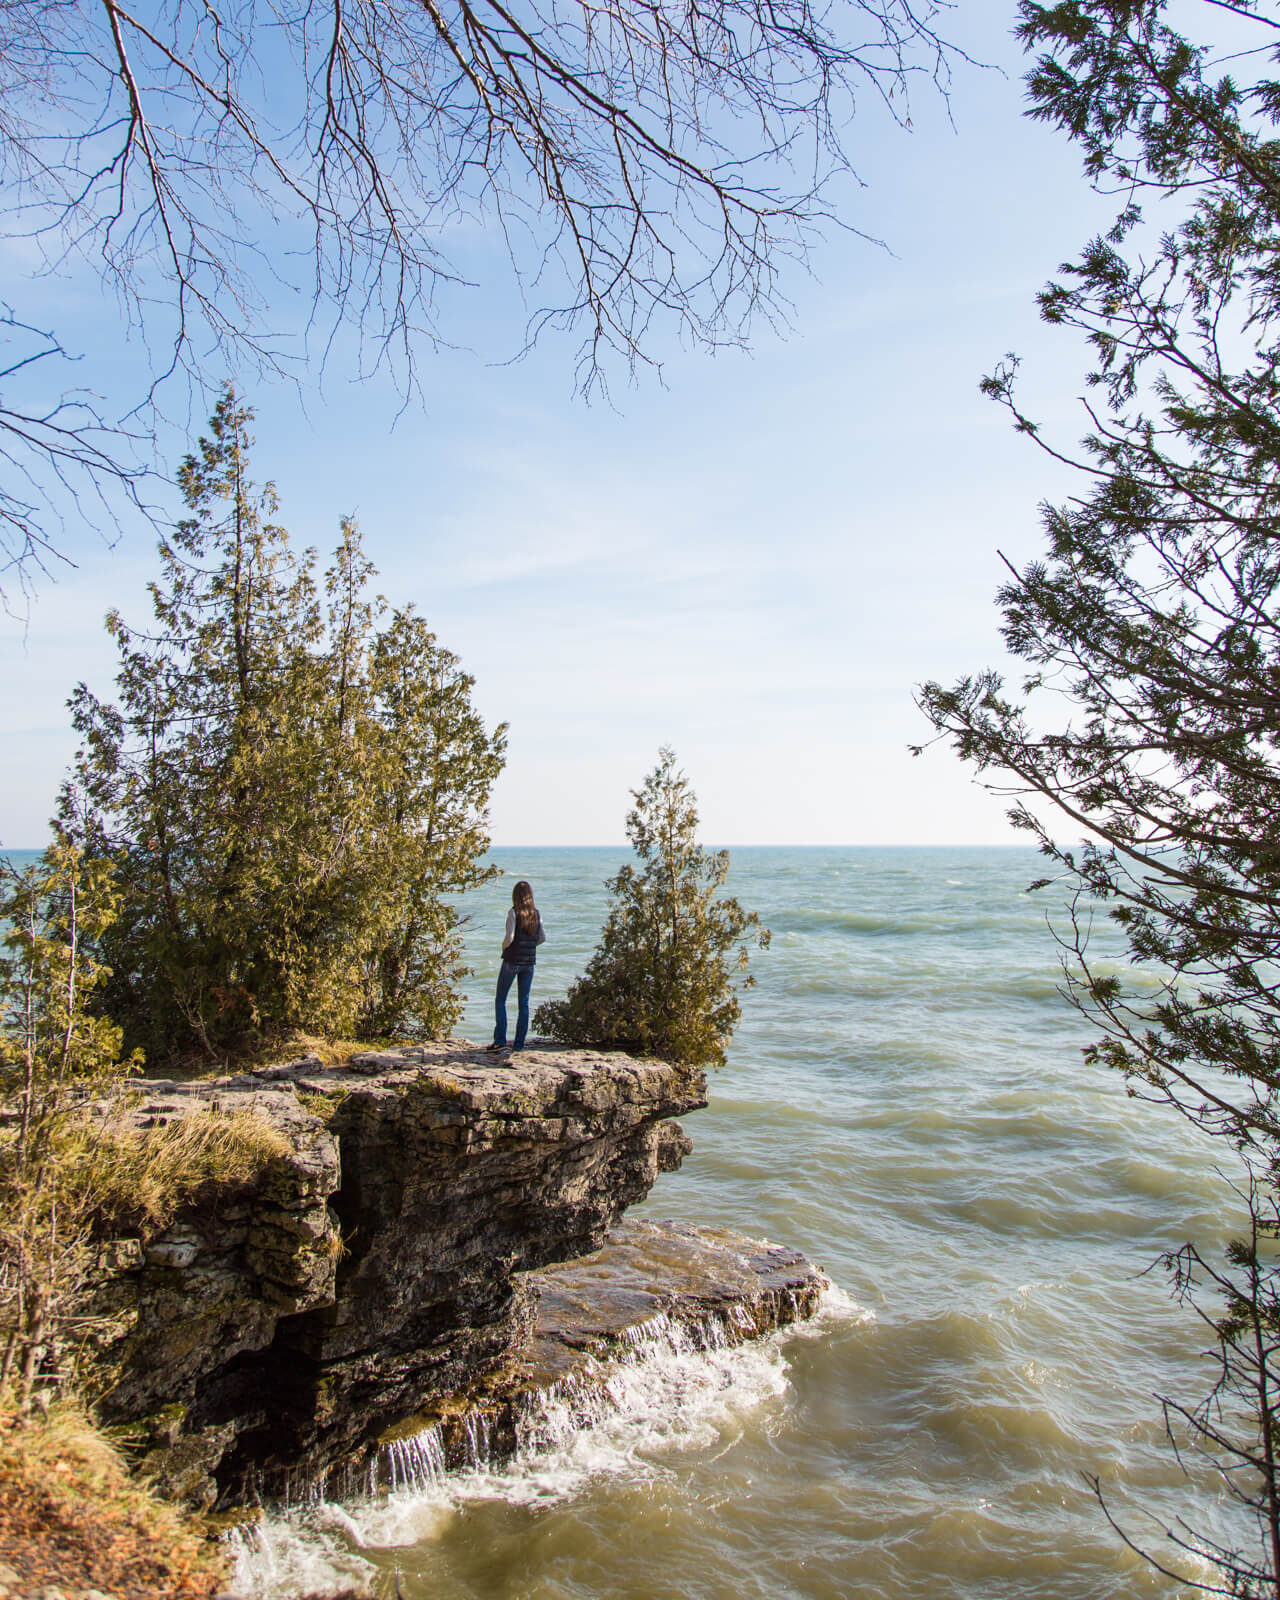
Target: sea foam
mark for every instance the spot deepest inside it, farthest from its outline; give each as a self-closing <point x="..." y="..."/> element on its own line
<point x="662" y="1398"/>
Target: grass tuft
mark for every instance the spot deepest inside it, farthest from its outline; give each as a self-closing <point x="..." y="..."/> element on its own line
<point x="131" y="1176"/>
<point x="323" y="1103"/>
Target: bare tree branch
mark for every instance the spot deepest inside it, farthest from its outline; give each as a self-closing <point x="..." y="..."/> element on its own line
<point x="651" y="165"/>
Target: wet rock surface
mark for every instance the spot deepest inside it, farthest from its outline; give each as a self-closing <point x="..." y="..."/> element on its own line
<point x="651" y="1286"/>
<point x="381" y="1265"/>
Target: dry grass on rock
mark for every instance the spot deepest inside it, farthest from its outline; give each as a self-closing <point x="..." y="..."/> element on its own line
<point x="132" y="1176"/>
<point x="73" y="1521"/>
<point x="288" y="1047"/>
<point x="71" y="1517"/>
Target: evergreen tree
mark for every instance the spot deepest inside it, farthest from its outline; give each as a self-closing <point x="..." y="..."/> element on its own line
<point x="1150" y="713"/>
<point x="427" y="830"/>
<point x="287" y="788"/>
<point x="673" y="951"/>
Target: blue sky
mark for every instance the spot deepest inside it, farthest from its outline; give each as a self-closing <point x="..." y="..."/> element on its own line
<point x="754" y="562"/>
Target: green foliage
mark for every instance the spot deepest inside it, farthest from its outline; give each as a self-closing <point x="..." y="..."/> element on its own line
<point x="53" y="1052"/>
<point x="1155" y="616"/>
<point x="288" y="785"/>
<point x="323" y="1103"/>
<point x="1150" y="715"/>
<point x="672" y="953"/>
<point x="74" y="1163"/>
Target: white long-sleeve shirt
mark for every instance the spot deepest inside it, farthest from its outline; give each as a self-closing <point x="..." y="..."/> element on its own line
<point x="510" y="934"/>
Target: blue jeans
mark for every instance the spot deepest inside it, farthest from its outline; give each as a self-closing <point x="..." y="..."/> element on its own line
<point x="523" y="977"/>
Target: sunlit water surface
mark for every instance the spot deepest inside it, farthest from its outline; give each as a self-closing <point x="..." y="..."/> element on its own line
<point x="907" y="1103"/>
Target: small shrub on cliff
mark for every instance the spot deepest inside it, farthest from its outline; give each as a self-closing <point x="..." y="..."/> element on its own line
<point x="673" y="953"/>
<point x="72" y="1162"/>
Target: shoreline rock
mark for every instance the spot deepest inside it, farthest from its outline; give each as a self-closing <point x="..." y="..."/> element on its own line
<point x="652" y="1286"/>
<point x="653" y="1290"/>
<point x="272" y="1335"/>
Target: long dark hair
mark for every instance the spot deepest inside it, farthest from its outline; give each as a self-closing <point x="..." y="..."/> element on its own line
<point x="526" y="911"/>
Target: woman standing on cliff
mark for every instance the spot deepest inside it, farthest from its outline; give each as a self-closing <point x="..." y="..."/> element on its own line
<point x="519" y="955"/>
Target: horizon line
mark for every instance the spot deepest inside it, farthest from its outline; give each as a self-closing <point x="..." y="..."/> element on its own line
<point x="900" y="844"/>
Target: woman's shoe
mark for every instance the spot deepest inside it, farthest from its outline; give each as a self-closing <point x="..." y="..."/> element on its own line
<point x="496" y="1049"/>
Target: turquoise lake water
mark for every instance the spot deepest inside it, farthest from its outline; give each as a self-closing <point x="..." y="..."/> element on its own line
<point x="906" y="1102"/>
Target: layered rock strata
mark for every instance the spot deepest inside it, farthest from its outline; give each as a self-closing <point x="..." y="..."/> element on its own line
<point x="377" y="1267"/>
<point x="652" y="1288"/>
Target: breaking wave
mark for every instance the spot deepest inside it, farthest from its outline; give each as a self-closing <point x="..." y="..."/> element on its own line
<point x="672" y="1392"/>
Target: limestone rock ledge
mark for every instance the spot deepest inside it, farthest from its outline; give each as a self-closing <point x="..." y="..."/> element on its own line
<point x="272" y="1334"/>
<point x="653" y="1287"/>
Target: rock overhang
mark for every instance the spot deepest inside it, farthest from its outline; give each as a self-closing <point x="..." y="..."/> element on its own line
<point x="269" y="1334"/>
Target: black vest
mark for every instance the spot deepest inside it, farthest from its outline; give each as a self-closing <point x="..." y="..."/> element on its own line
<point x="523" y="949"/>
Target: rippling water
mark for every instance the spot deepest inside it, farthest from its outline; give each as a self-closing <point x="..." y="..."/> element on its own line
<point x="906" y="1102"/>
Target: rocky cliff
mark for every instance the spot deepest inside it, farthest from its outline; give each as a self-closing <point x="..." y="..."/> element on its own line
<point x="652" y="1288"/>
<point x="373" y="1270"/>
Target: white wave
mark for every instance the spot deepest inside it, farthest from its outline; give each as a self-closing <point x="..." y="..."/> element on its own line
<point x="293" y="1554"/>
<point x="835" y="1307"/>
<point x="661" y="1403"/>
<point x="661" y="1400"/>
